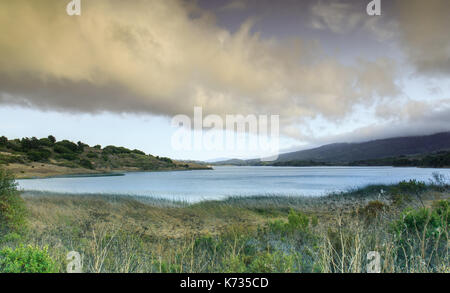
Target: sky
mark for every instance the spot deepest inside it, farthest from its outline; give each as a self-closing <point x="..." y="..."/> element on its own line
<point x="118" y="73"/>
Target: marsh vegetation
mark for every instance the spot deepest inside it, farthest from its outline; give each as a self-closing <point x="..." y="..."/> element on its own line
<point x="406" y="223"/>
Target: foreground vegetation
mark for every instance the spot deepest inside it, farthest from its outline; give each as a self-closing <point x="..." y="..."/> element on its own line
<point x="32" y="157"/>
<point x="406" y="223"/>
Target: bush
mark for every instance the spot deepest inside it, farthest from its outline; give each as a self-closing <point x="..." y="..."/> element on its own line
<point x="39" y="155"/>
<point x="138" y="152"/>
<point x="27" y="259"/>
<point x="412" y="187"/>
<point x="29" y="144"/>
<point x="52" y="139"/>
<point x="86" y="164"/>
<point x="3" y="141"/>
<point x="297" y="221"/>
<point x="12" y="206"/>
<point x="112" y="150"/>
<point x="66" y="145"/>
<point x="61" y="149"/>
<point x="69" y="157"/>
<point x="81" y="146"/>
<point x="45" y="142"/>
<point x="92" y="156"/>
<point x="430" y="222"/>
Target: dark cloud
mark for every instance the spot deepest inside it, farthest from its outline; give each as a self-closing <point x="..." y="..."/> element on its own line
<point x="424" y="33"/>
<point x="154" y="57"/>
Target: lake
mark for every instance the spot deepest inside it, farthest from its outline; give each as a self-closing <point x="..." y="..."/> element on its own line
<point x="222" y="182"/>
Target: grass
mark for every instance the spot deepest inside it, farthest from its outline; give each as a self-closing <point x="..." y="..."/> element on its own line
<point x="245" y="234"/>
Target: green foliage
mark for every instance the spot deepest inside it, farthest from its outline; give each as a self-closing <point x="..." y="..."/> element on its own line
<point x="92" y="156"/>
<point x="26" y="259"/>
<point x="3" y="141"/>
<point x="12" y="206"/>
<point x="138" y="152"/>
<point x="412" y="187"/>
<point x="297" y="221"/>
<point x="29" y="144"/>
<point x="425" y="221"/>
<point x="14" y="145"/>
<point x="81" y="146"/>
<point x="52" y="139"/>
<point x="61" y="149"/>
<point x="46" y="142"/>
<point x="66" y="146"/>
<point x="86" y="164"/>
<point x="39" y="155"/>
<point x="113" y="150"/>
<point x="69" y="156"/>
<point x="167" y="160"/>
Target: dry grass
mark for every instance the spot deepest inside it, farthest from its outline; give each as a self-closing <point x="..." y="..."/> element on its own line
<point x="131" y="234"/>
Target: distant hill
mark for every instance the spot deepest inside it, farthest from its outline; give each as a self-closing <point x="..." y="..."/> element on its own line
<point x="376" y="149"/>
<point x="348" y="153"/>
<point x="32" y="157"/>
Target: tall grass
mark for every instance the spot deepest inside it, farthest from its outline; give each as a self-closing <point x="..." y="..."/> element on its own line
<point x="331" y="234"/>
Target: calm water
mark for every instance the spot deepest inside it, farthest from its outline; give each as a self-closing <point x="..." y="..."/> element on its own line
<point x="230" y="181"/>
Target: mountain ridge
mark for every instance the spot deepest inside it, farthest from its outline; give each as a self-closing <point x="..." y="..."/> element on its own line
<point x="344" y="153"/>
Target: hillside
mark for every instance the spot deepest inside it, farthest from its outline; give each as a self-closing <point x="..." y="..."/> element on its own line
<point x="367" y="153"/>
<point x="32" y="157"/>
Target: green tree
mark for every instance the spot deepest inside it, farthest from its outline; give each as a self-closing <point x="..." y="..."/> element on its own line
<point x="52" y="139"/>
<point x="3" y="141"/>
<point x="12" y="206"/>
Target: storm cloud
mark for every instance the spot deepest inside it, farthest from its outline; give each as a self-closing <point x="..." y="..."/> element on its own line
<point x="166" y="57"/>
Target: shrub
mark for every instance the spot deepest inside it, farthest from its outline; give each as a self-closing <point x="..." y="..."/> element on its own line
<point x="14" y="145"/>
<point x="430" y="222"/>
<point x="27" y="259"/>
<point x="3" y="141"/>
<point x="61" y="149"/>
<point x="12" y="206"/>
<point x="92" y="156"/>
<point x="116" y="150"/>
<point x="39" y="155"/>
<point x="412" y="187"/>
<point x="167" y="160"/>
<point x="67" y="145"/>
<point x="297" y="221"/>
<point x="45" y="142"/>
<point x="138" y="152"/>
<point x="29" y="144"/>
<point x="69" y="157"/>
<point x="86" y="164"/>
<point x="81" y="146"/>
<point x="52" y="139"/>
